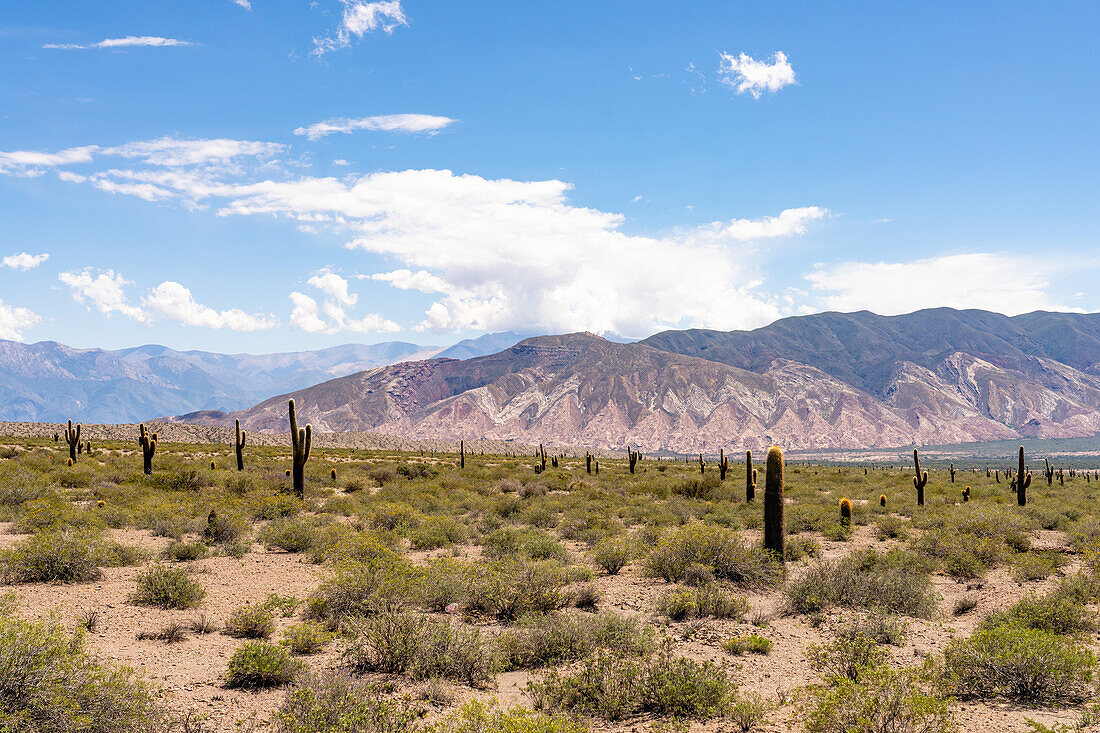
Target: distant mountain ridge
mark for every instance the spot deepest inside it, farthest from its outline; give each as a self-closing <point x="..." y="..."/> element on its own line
<point x="826" y="381"/>
<point x="48" y="381"/>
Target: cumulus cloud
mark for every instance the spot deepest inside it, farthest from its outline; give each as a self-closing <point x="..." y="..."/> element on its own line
<point x="408" y="123"/>
<point x="975" y="280"/>
<point x="171" y="301"/>
<point x="746" y="74"/>
<point x="168" y="301"/>
<point x="789" y="222"/>
<point x="331" y="316"/>
<point x="14" y="321"/>
<point x="359" y="19"/>
<point x="105" y="292"/>
<point x="24" y="261"/>
<point x="128" y="41"/>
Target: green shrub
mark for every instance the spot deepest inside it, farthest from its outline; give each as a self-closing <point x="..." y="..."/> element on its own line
<point x="612" y="554"/>
<point x="66" y="556"/>
<point x="894" y="581"/>
<point x="1054" y="612"/>
<point x="1022" y="663"/>
<point x="884" y="700"/>
<point x="257" y="664"/>
<point x="412" y="645"/>
<point x="332" y="702"/>
<point x="250" y="622"/>
<point x="748" y="644"/>
<point x="167" y="588"/>
<point x="510" y="589"/>
<point x="224" y="529"/>
<point x="846" y="657"/>
<point x="718" y="548"/>
<point x="541" y="640"/>
<point x="800" y="546"/>
<point x="50" y="684"/>
<point x="437" y="532"/>
<point x="289" y="534"/>
<point x="615" y="687"/>
<point x="477" y="717"/>
<point x="889" y="527"/>
<point x="361" y="589"/>
<point x="305" y="638"/>
<point x="1035" y="565"/>
<point x="711" y="600"/>
<point x="185" y="551"/>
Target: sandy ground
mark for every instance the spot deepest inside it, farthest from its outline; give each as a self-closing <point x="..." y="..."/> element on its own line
<point x="191" y="672"/>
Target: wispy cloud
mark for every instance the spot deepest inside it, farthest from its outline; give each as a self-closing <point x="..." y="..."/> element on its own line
<point x="243" y="3"/>
<point x="974" y="280"/>
<point x="331" y="316"/>
<point x="105" y="291"/>
<point x="128" y="41"/>
<point x="408" y="123"/>
<point x="359" y="19"/>
<point x="14" y="321"/>
<point x="746" y="74"/>
<point x="24" y="261"/>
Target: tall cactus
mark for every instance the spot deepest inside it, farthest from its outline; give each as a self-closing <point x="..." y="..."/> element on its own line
<point x="1022" y="480"/>
<point x="775" y="532"/>
<point x="702" y="464"/>
<point x="750" y="477"/>
<point x="72" y="437"/>
<point x="632" y="457"/>
<point x="1048" y="472"/>
<point x="587" y="462"/>
<point x="148" y="443"/>
<point x="952" y="470"/>
<point x="302" y="441"/>
<point x="723" y="464"/>
<point x="920" y="480"/>
<point x="238" y="445"/>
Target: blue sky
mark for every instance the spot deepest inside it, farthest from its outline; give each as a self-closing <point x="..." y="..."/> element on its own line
<point x="282" y="175"/>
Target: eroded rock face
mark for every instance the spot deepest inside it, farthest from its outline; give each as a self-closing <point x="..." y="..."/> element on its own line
<point x="579" y="389"/>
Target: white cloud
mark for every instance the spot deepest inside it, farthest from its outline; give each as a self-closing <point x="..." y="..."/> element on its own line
<point x="789" y="222"/>
<point x="359" y="19"/>
<point x="996" y="282"/>
<point x="30" y="162"/>
<point x="24" y="261"/>
<point x="331" y="316"/>
<point x="14" y="320"/>
<point x="153" y="41"/>
<point x="173" y="302"/>
<point x="746" y="74"/>
<point x="104" y="292"/>
<point x="408" y="123"/>
<point x="246" y="4"/>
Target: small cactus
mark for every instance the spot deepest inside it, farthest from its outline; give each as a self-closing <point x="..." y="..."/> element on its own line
<point x="302" y="441"/>
<point x="148" y="443"/>
<point x="750" y="477"/>
<point x="846" y="512"/>
<point x="882" y="500"/>
<point x="966" y="494"/>
<point x="775" y="532"/>
<point x="72" y="437"/>
<point x="69" y="462"/>
<point x="238" y="445"/>
<point x="288" y="473"/>
<point x="213" y="465"/>
<point x="333" y="474"/>
<point x="920" y="480"/>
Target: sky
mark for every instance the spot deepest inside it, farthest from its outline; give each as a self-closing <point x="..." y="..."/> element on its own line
<point x="273" y="175"/>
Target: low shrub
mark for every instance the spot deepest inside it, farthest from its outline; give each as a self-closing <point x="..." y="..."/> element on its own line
<point x="748" y="644"/>
<point x="436" y="532"/>
<point x="711" y="600"/>
<point x="846" y="657"/>
<point x="540" y="640"/>
<point x="305" y="638"/>
<point x="257" y="664"/>
<point x="718" y="548"/>
<point x="410" y="644"/>
<point x="1026" y="664"/>
<point x="612" y="554"/>
<point x="884" y="700"/>
<point x="185" y="551"/>
<point x="333" y="702"/>
<point x="477" y="717"/>
<point x="889" y="527"/>
<point x="361" y="589"/>
<point x="1058" y="613"/>
<point x="895" y="581"/>
<point x="510" y="589"/>
<point x="65" y="556"/>
<point x="167" y="588"/>
<point x="49" y="683"/>
<point x="250" y="622"/>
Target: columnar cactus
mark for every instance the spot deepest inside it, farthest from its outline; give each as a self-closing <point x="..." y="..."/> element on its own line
<point x="542" y="457"/>
<point x="148" y="443"/>
<point x="846" y="512"/>
<point x="72" y="437"/>
<point x="302" y="442"/>
<point x="750" y="477"/>
<point x="951" y="468"/>
<point x="587" y="462"/>
<point x="723" y="464"/>
<point x="238" y="445"/>
<point x="462" y="454"/>
<point x="775" y="532"/>
<point x="702" y="464"/>
<point x="1023" y="480"/>
<point x="632" y="457"/>
<point x="1048" y="472"/>
<point x="920" y="480"/>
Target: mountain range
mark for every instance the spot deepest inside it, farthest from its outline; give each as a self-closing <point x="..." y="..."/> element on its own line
<point x="48" y="381"/>
<point x="831" y="380"/>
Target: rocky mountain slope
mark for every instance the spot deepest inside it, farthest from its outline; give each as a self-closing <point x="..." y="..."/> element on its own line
<point x="826" y="381"/>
